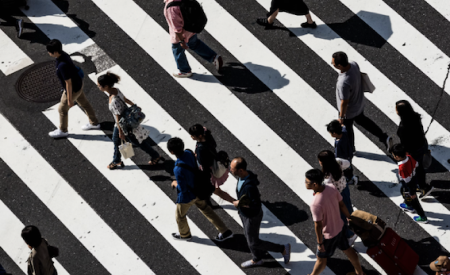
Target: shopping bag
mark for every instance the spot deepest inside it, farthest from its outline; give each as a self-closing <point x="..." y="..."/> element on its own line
<point x="367" y="85"/>
<point x="126" y="149"/>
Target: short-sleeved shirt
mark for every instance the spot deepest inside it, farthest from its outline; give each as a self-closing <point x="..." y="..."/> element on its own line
<point x="349" y="87"/>
<point x="175" y="21"/>
<point x="325" y="208"/>
<point x="65" y="70"/>
<point x="341" y="183"/>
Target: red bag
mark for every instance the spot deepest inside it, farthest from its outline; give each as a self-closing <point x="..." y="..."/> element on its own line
<point x="394" y="255"/>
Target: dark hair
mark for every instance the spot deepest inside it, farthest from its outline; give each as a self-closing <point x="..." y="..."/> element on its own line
<point x="406" y="112"/>
<point x="176" y="145"/>
<point x="54" y="46"/>
<point x="315" y="176"/>
<point x="330" y="167"/>
<point x="198" y="130"/>
<point x="108" y="79"/>
<point x="334" y="127"/>
<point x="340" y="58"/>
<point x="241" y="163"/>
<point x="31" y="235"/>
<point x="398" y="150"/>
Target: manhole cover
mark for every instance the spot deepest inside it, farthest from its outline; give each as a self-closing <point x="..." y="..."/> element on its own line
<point x="40" y="83"/>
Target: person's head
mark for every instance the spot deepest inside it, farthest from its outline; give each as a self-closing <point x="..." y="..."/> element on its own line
<point x="330" y="167"/>
<point x="339" y="60"/>
<point x="398" y="151"/>
<point x="441" y="264"/>
<point x="32" y="236"/>
<point x="54" y="48"/>
<point x="175" y="146"/>
<point x="335" y="129"/>
<point x="405" y="111"/>
<point x="198" y="132"/>
<point x="107" y="81"/>
<point x="314" y="179"/>
<point x="238" y="167"/>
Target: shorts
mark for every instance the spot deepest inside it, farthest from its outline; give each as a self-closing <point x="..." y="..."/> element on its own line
<point x="339" y="241"/>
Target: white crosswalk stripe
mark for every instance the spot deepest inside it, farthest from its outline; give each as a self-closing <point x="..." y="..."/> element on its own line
<point x="12" y="58"/>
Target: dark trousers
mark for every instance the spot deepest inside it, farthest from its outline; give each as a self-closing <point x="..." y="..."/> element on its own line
<point x="257" y="246"/>
<point x="367" y="124"/>
<point x="348" y="203"/>
<point x="414" y="203"/>
<point x="420" y="171"/>
<point x="146" y="145"/>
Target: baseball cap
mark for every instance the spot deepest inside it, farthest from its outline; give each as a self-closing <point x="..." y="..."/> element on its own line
<point x="440" y="262"/>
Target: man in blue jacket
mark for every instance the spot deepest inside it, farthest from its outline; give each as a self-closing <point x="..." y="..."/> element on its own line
<point x="250" y="211"/>
<point x="184" y="184"/>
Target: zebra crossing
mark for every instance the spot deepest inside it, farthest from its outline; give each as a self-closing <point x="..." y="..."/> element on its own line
<point x="239" y="121"/>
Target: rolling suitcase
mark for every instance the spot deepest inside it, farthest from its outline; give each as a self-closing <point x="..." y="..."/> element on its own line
<point x="394" y="255"/>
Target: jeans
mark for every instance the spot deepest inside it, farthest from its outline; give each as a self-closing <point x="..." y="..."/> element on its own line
<point x="145" y="145"/>
<point x="367" y="124"/>
<point x="197" y="46"/>
<point x="348" y="203"/>
<point x="418" y="156"/>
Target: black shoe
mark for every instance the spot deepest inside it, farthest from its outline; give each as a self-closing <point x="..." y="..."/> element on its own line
<point x="19" y="28"/>
<point x="177" y="236"/>
<point x="264" y="22"/>
<point x="307" y="25"/>
<point x="226" y="235"/>
<point x="426" y="192"/>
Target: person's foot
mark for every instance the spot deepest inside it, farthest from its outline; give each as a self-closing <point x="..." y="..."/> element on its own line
<point x="218" y="62"/>
<point x="354" y="181"/>
<point x="58" y="134"/>
<point x="226" y="235"/>
<point x="89" y="126"/>
<point x="264" y="22"/>
<point x="426" y="192"/>
<point x="287" y="253"/>
<point x="156" y="160"/>
<point x="114" y="166"/>
<point x="309" y="25"/>
<point x="407" y="208"/>
<point x="182" y="75"/>
<point x="420" y="219"/>
<point x="352" y="239"/>
<point x="251" y="263"/>
<point x="389" y="143"/>
<point x="19" y="28"/>
<point x="177" y="236"/>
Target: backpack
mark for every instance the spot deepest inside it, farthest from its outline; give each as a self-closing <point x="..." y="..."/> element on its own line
<point x="368" y="227"/>
<point x="220" y="164"/>
<point x="193" y="15"/>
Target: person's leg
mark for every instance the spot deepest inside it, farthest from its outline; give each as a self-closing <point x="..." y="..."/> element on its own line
<point x="116" y="140"/>
<point x="309" y="19"/>
<point x="209" y="213"/>
<point x="201" y="49"/>
<point x="180" y="215"/>
<point x="371" y="126"/>
<point x="416" y="205"/>
<point x="353" y="257"/>
<point x="348" y="203"/>
<point x="319" y="266"/>
<point x="351" y="135"/>
<point x="250" y="231"/>
<point x="421" y="176"/>
<point x="180" y="58"/>
<point x="63" y="110"/>
<point x="146" y="146"/>
<point x="348" y="173"/>
<point x="273" y="16"/>
<point x="81" y="99"/>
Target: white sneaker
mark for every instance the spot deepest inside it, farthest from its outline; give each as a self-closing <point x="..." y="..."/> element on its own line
<point x="90" y="127"/>
<point x="58" y="134"/>
<point x="182" y="75"/>
<point x="351" y="240"/>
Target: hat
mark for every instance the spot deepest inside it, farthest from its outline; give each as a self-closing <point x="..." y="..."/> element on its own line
<point x="440" y="263"/>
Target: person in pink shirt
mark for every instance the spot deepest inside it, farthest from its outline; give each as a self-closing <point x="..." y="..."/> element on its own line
<point x="182" y="40"/>
<point x="328" y="224"/>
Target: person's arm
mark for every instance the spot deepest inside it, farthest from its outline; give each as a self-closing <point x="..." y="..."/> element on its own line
<point x="180" y="37"/>
<point x="343" y="112"/>
<point x="344" y="209"/>
<point x="128" y="101"/>
<point x="69" y="92"/>
<point x="36" y="266"/>
<point x="121" y="134"/>
<point x="176" y="22"/>
<point x="318" y="227"/>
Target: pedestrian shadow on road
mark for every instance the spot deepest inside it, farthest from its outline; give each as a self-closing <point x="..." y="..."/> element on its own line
<point x="372" y="156"/>
<point x="287" y="213"/>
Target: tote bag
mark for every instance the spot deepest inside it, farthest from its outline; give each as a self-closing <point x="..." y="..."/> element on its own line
<point x="126" y="149"/>
<point x="367" y="85"/>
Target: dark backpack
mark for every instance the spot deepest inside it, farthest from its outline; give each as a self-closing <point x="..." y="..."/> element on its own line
<point x="193" y="15"/>
<point x="203" y="187"/>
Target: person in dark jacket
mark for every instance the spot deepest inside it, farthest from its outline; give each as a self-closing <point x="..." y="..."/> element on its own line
<point x="250" y="211"/>
<point x="412" y="137"/>
<point x="297" y="7"/>
<point x="40" y="261"/>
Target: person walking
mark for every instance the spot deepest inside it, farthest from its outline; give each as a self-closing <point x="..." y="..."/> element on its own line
<point x="40" y="261"/>
<point x="186" y="198"/>
<point x="351" y="101"/>
<point x="138" y="137"/>
<point x="182" y="40"/>
<point x="72" y="85"/>
<point x="329" y="227"/>
<point x="297" y="7"/>
<point x="205" y="153"/>
<point x="250" y="211"/>
<point x="412" y="137"/>
<point x="333" y="169"/>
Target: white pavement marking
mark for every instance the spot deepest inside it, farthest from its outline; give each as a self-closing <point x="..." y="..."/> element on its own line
<point x="413" y="45"/>
<point x="12" y="58"/>
<point x="441" y="6"/>
<point x="56" y="25"/>
<point x="65" y="203"/>
<point x="13" y="244"/>
<point x="324" y="42"/>
<point x="145" y="196"/>
<point x="163" y="127"/>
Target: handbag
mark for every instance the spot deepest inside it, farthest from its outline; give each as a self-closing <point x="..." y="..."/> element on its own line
<point x="126" y="149"/>
<point x="131" y="117"/>
<point x="367" y="85"/>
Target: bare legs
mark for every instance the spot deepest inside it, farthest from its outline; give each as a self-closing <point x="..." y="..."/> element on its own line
<point x="272" y="17"/>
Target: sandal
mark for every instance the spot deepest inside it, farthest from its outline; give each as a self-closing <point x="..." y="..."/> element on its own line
<point x="156" y="160"/>
<point x="113" y="166"/>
